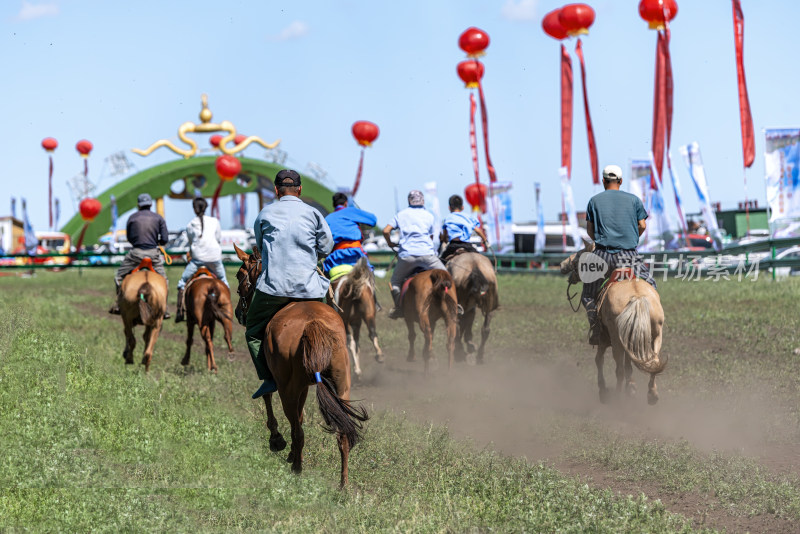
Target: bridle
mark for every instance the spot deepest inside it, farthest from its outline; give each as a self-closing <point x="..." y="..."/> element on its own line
<point x="247" y="286"/>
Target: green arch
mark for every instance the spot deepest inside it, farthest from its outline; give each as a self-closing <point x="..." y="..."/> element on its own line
<point x="198" y="173"/>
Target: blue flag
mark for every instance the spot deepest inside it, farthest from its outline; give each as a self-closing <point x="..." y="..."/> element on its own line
<point x="31" y="241"/>
<point x="114" y="217"/>
<point x="14" y="207"/>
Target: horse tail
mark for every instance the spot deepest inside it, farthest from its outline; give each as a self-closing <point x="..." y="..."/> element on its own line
<point x="442" y="291"/>
<point x="145" y="296"/>
<point x="213" y="307"/>
<point x="319" y="342"/>
<point x="635" y="332"/>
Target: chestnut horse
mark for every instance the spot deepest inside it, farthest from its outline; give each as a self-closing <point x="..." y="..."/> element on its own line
<point x="305" y="345"/>
<point x="142" y="300"/>
<point x="208" y="300"/>
<point x="428" y="296"/>
<point x="476" y="288"/>
<point x="354" y="294"/>
<point x="630" y="310"/>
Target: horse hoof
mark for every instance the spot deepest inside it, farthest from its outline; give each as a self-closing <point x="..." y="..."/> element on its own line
<point x="214" y="370"/>
<point x="604" y="396"/>
<point x="379" y="358"/>
<point x="652" y="398"/>
<point x="231" y="356"/>
<point x="185" y="362"/>
<point x="411" y="358"/>
<point x="470" y="360"/>
<point x="631" y="390"/>
<point x="297" y="469"/>
<point x="128" y="361"/>
<point x="470" y="348"/>
<point x="277" y="443"/>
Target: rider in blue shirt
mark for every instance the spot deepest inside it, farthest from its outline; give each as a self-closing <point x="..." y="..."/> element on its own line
<point x="457" y="229"/>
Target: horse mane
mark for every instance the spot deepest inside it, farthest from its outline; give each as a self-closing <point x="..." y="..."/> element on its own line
<point x="355" y="280"/>
<point x="442" y="283"/>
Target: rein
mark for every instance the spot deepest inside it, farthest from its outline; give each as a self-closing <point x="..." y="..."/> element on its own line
<point x="570" y="297"/>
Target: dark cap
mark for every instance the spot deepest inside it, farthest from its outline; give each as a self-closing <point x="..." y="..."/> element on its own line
<point x="144" y="200"/>
<point x="287" y="177"/>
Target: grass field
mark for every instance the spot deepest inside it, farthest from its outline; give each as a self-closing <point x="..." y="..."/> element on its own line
<point x="92" y="444"/>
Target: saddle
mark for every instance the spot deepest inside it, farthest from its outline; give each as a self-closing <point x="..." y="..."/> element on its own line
<point x="407" y="283"/>
<point x="455" y="248"/>
<point x="202" y="272"/>
<point x="146" y="263"/>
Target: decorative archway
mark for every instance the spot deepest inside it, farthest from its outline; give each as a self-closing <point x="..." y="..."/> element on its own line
<point x="184" y="179"/>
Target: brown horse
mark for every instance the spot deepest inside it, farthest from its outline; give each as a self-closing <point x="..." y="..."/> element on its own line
<point x="208" y="300"/>
<point x="305" y="345"/>
<point x="428" y="297"/>
<point x="631" y="312"/>
<point x="354" y="294"/>
<point x="142" y="300"/>
<point x="476" y="288"/>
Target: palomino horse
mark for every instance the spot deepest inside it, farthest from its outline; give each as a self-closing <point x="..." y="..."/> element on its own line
<point x="354" y="294"/>
<point x="208" y="300"/>
<point x="142" y="300"/>
<point x="426" y="297"/>
<point x="476" y="287"/>
<point x="305" y="345"/>
<point x="630" y="309"/>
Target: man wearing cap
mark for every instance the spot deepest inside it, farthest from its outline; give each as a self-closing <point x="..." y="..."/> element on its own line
<point x="291" y="237"/>
<point x="345" y="227"/>
<point x="614" y="220"/>
<point x="416" y="245"/>
<point x="145" y="231"/>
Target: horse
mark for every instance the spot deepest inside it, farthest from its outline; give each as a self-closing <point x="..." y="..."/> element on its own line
<point x="476" y="287"/>
<point x="354" y="294"/>
<point x="208" y="300"/>
<point x="630" y="310"/>
<point x="142" y="300"/>
<point x="305" y="345"/>
<point x="426" y="297"/>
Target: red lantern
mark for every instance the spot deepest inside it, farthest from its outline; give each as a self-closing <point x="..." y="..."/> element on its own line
<point x="214" y="140"/>
<point x="552" y="26"/>
<point x="658" y="12"/>
<point x="473" y="41"/>
<point x="84" y="148"/>
<point x="89" y="208"/>
<point x="471" y="72"/>
<point x="228" y="167"/>
<point x="49" y="144"/>
<point x="475" y="194"/>
<point x="576" y="19"/>
<point x="365" y="132"/>
<point x="239" y="139"/>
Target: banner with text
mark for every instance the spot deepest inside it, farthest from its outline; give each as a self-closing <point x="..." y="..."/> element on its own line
<point x="782" y="165"/>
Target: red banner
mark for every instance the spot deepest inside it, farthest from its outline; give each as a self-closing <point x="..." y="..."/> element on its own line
<point x="485" y="124"/>
<point x="566" y="110"/>
<point x="358" y="173"/>
<point x="748" y="136"/>
<point x="589" y="129"/>
<point x="659" y="110"/>
<point x="50" y="193"/>
<point x="473" y="140"/>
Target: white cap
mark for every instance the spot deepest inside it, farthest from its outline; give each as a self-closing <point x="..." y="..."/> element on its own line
<point x="612" y="172"/>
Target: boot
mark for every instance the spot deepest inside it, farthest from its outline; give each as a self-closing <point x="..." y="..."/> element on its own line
<point x="179" y="318"/>
<point x="396" y="312"/>
<point x="595" y="327"/>
<point x="114" y="310"/>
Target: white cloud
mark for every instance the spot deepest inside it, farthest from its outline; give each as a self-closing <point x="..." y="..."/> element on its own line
<point x="31" y="11"/>
<point x="520" y="9"/>
<point x="295" y="30"/>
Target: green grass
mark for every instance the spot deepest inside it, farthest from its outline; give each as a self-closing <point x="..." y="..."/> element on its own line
<point x="91" y="444"/>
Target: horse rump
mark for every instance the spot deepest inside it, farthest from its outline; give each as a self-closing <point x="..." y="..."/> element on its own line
<point x="148" y="310"/>
<point x="319" y="343"/>
<point x="635" y="333"/>
<point x="442" y="284"/>
<point x="213" y="308"/>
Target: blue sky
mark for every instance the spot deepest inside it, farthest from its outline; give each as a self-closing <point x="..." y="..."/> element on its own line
<point x="124" y="74"/>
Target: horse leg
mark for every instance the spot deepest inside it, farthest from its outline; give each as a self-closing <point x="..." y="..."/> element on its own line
<point x="373" y="336"/>
<point x="412" y="335"/>
<point x="212" y="363"/>
<point x="227" y="325"/>
<point x="630" y="385"/>
<point x="599" y="359"/>
<point x="189" y="338"/>
<point x="427" y="330"/>
<point x="485" y="330"/>
<point x="344" y="452"/>
<point x="466" y="325"/>
<point x="353" y="332"/>
<point x="293" y="414"/>
<point x="652" y="392"/>
<point x="205" y="331"/>
<point x="452" y="332"/>
<point x="276" y="441"/>
<point x="619" y="361"/>
<point x="130" y="342"/>
<point x="151" y="335"/>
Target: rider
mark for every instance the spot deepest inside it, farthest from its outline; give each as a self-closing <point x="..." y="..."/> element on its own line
<point x="614" y="220"/>
<point x="344" y="224"/>
<point x="291" y="236"/>
<point x="416" y="245"/>
<point x="457" y="228"/>
<point x="145" y="230"/>
<point x="204" y="235"/>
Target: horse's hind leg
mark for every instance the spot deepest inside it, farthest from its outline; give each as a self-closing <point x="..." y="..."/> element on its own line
<point x="189" y="338"/>
<point x="467" y="320"/>
<point x="293" y="412"/>
<point x="130" y="343"/>
<point x="412" y="336"/>
<point x="353" y="332"/>
<point x="150" y="336"/>
<point x="426" y="326"/>
<point x="373" y="336"/>
<point x="630" y="385"/>
<point x="599" y="359"/>
<point x="652" y="391"/>
<point x="276" y="441"/>
<point x="210" y="361"/>
<point x="619" y="361"/>
<point x="485" y="330"/>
